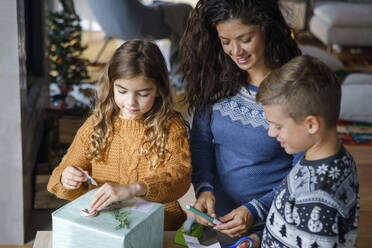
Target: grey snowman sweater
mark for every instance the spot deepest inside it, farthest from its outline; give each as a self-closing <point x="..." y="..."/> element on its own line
<point x="316" y="205"/>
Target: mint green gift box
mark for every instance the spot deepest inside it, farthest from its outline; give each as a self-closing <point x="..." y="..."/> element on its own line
<point x="72" y="230"/>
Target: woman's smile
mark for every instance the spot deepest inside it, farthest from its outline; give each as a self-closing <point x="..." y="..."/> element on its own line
<point x="243" y="60"/>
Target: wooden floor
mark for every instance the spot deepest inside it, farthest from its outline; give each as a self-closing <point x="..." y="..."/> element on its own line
<point x="363" y="159"/>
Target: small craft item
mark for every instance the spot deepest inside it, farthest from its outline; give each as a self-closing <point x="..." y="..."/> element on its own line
<point x="91" y="180"/>
<point x="204" y="215"/>
<point x="190" y="228"/>
<point x="193" y="242"/>
<point x="86" y="213"/>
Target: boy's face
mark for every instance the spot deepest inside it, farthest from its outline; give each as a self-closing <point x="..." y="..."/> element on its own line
<point x="293" y="137"/>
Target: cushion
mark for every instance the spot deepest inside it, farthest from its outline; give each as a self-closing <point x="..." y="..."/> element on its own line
<point x="345" y="14"/>
<point x="356" y="100"/>
<point x="358" y="79"/>
<point x="360" y="1"/>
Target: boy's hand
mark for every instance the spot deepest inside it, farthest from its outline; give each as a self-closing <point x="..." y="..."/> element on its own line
<point x="112" y="192"/>
<point x="256" y="242"/>
<point x="72" y="177"/>
<point x="205" y="203"/>
<point x="236" y="223"/>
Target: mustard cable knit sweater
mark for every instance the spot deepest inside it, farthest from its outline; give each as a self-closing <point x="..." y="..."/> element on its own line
<point x="123" y="164"/>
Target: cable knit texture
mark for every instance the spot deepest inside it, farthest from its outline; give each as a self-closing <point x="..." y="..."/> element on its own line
<point x="124" y="164"/>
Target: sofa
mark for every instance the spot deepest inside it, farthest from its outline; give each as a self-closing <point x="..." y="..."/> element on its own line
<point x="356" y="101"/>
<point x="343" y="23"/>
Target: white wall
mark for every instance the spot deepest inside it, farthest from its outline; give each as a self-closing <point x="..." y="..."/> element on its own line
<point x="11" y="182"/>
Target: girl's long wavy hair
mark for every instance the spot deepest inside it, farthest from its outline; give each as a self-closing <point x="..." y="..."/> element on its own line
<point x="133" y="58"/>
<point x="211" y="75"/>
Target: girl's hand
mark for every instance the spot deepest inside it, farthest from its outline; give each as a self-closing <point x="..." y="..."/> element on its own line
<point x="236" y="223"/>
<point x="112" y="192"/>
<point x="72" y="177"/>
<point x="205" y="203"/>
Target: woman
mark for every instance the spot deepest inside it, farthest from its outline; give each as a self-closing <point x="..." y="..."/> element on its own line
<point x="229" y="47"/>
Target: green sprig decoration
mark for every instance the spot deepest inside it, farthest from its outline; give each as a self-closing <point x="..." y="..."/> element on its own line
<point x="122" y="216"/>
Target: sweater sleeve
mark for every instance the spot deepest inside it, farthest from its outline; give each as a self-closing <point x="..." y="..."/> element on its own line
<point x="202" y="154"/>
<point x="171" y="181"/>
<point x="75" y="156"/>
<point x="259" y="208"/>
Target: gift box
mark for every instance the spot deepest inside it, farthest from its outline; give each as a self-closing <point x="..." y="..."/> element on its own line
<point x="71" y="229"/>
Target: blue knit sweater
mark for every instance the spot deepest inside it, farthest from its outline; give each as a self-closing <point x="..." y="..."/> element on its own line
<point x="233" y="156"/>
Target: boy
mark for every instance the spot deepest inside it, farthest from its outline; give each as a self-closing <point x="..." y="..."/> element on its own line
<point x="317" y="204"/>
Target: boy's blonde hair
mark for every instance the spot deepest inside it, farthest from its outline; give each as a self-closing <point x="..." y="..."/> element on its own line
<point x="304" y="86"/>
<point x="134" y="58"/>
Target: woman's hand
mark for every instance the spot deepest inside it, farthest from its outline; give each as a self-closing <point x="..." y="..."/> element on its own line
<point x="112" y="192"/>
<point x="236" y="223"/>
<point x="72" y="177"/>
<point x="205" y="203"/>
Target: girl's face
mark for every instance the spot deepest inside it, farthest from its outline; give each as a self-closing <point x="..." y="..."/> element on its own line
<point x="245" y="44"/>
<point x="134" y="96"/>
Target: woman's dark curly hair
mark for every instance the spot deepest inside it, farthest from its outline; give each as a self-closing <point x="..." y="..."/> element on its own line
<point x="211" y="75"/>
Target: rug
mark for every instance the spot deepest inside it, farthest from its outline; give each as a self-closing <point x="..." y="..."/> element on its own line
<point x="354" y="133"/>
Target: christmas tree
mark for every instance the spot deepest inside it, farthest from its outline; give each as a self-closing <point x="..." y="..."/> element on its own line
<point x="272" y="219"/>
<point x="299" y="241"/>
<point x="283" y="231"/>
<point x="66" y="67"/>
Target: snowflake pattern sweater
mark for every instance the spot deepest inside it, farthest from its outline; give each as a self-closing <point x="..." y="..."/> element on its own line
<point x="123" y="164"/>
<point x="234" y="157"/>
<point x="316" y="206"/>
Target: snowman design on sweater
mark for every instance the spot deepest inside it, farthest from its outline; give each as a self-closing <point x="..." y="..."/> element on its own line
<point x="314" y="224"/>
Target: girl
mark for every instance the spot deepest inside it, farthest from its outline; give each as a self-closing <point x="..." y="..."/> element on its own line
<point x="229" y="47"/>
<point x="134" y="144"/>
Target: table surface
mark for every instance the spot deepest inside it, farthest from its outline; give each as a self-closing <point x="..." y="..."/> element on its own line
<point x="44" y="240"/>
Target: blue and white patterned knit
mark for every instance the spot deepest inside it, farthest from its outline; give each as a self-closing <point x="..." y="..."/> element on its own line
<point x="317" y="205"/>
<point x="234" y="157"/>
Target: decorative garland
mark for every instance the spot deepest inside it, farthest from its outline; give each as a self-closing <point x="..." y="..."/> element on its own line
<point x="122" y="216"/>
